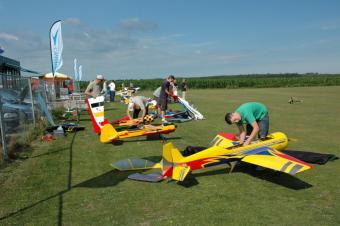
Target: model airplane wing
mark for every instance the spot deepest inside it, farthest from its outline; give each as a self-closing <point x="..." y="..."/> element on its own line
<point x="139" y="164"/>
<point x="153" y="177"/>
<point x="134" y="164"/>
<point x="270" y="158"/>
<point x="194" y="112"/>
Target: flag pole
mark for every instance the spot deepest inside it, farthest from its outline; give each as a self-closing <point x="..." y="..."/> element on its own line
<point x="56" y="51"/>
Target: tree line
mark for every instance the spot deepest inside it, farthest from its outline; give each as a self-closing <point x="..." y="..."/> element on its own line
<point x="238" y="81"/>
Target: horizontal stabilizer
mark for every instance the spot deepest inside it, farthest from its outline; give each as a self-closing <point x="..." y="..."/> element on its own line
<point x="153" y="177"/>
<point x="134" y="164"/>
<point x="180" y="172"/>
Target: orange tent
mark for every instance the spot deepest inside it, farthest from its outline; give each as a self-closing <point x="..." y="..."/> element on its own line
<point x="57" y="77"/>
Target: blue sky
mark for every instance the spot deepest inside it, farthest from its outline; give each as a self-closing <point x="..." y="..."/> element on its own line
<point x="154" y="38"/>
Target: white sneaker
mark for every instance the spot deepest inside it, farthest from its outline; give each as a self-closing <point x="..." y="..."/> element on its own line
<point x="164" y="120"/>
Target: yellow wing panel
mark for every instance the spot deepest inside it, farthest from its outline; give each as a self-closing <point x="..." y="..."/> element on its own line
<point x="277" y="161"/>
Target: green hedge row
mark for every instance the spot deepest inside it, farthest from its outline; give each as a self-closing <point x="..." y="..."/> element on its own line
<point x="241" y="81"/>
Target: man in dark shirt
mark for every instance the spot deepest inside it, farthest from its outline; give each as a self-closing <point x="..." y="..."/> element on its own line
<point x="164" y="94"/>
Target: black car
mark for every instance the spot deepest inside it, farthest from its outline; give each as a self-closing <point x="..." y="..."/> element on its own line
<point x="13" y="109"/>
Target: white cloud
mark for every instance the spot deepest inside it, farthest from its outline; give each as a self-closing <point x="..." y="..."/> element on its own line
<point x="73" y="21"/>
<point x="120" y="53"/>
<point x="333" y="25"/>
<point x="137" y="24"/>
<point x="325" y="25"/>
<point x="8" y="37"/>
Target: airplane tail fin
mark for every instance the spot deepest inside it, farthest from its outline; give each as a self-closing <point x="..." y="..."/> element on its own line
<point x="171" y="166"/>
<point x="108" y="134"/>
<point x="170" y="153"/>
<point x="96" y="110"/>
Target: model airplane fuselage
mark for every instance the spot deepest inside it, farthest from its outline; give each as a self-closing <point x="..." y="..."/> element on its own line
<point x="224" y="150"/>
<point x="107" y="131"/>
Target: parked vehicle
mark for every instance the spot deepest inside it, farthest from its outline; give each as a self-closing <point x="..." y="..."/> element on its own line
<point x="14" y="110"/>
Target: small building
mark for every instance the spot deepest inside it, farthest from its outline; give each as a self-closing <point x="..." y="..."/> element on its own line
<point x="9" y="73"/>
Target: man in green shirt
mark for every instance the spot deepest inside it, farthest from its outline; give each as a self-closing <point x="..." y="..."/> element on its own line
<point x="255" y="116"/>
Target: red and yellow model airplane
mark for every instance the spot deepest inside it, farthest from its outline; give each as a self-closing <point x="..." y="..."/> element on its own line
<point x="224" y="150"/>
<point x="107" y="131"/>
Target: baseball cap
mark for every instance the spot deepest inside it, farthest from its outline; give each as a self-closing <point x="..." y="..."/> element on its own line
<point x="100" y="77"/>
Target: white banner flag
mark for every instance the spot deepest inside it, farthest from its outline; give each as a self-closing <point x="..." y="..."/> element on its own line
<point x="56" y="43"/>
<point x="76" y="76"/>
<point x="80" y="72"/>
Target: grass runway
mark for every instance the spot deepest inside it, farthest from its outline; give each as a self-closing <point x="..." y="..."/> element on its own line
<point x="70" y="182"/>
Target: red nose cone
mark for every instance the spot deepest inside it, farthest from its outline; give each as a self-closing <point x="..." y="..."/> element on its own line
<point x="229" y="136"/>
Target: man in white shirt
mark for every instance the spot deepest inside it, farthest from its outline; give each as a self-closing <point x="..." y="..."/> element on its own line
<point x="105" y="91"/>
<point x="136" y="105"/>
<point x="112" y="90"/>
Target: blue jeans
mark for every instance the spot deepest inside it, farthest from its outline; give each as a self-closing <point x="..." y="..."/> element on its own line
<point x="112" y="96"/>
<point x="264" y="127"/>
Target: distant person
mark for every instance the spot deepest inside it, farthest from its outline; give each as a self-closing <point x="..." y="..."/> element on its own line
<point x="136" y="105"/>
<point x="156" y="95"/>
<point x="164" y="94"/>
<point x="174" y="88"/>
<point x="173" y="91"/>
<point x="70" y="87"/>
<point x="183" y="88"/>
<point x="105" y="91"/>
<point x="93" y="89"/>
<point x="112" y="91"/>
<point x="255" y="116"/>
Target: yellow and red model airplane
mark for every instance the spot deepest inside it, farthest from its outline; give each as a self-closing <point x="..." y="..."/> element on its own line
<point x="107" y="131"/>
<point x="224" y="150"/>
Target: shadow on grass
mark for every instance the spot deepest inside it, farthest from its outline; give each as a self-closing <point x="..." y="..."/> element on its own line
<point x="49" y="153"/>
<point x="20" y="211"/>
<point x="275" y="177"/>
<point x="189" y="181"/>
<point x="59" y="194"/>
<point x="108" y="179"/>
<point x="164" y="139"/>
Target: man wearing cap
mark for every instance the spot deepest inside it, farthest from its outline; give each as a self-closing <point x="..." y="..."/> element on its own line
<point x="93" y="89"/>
<point x="255" y="116"/>
<point x="136" y="105"/>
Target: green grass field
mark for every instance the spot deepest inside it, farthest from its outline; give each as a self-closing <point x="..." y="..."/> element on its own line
<point x="70" y="182"/>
